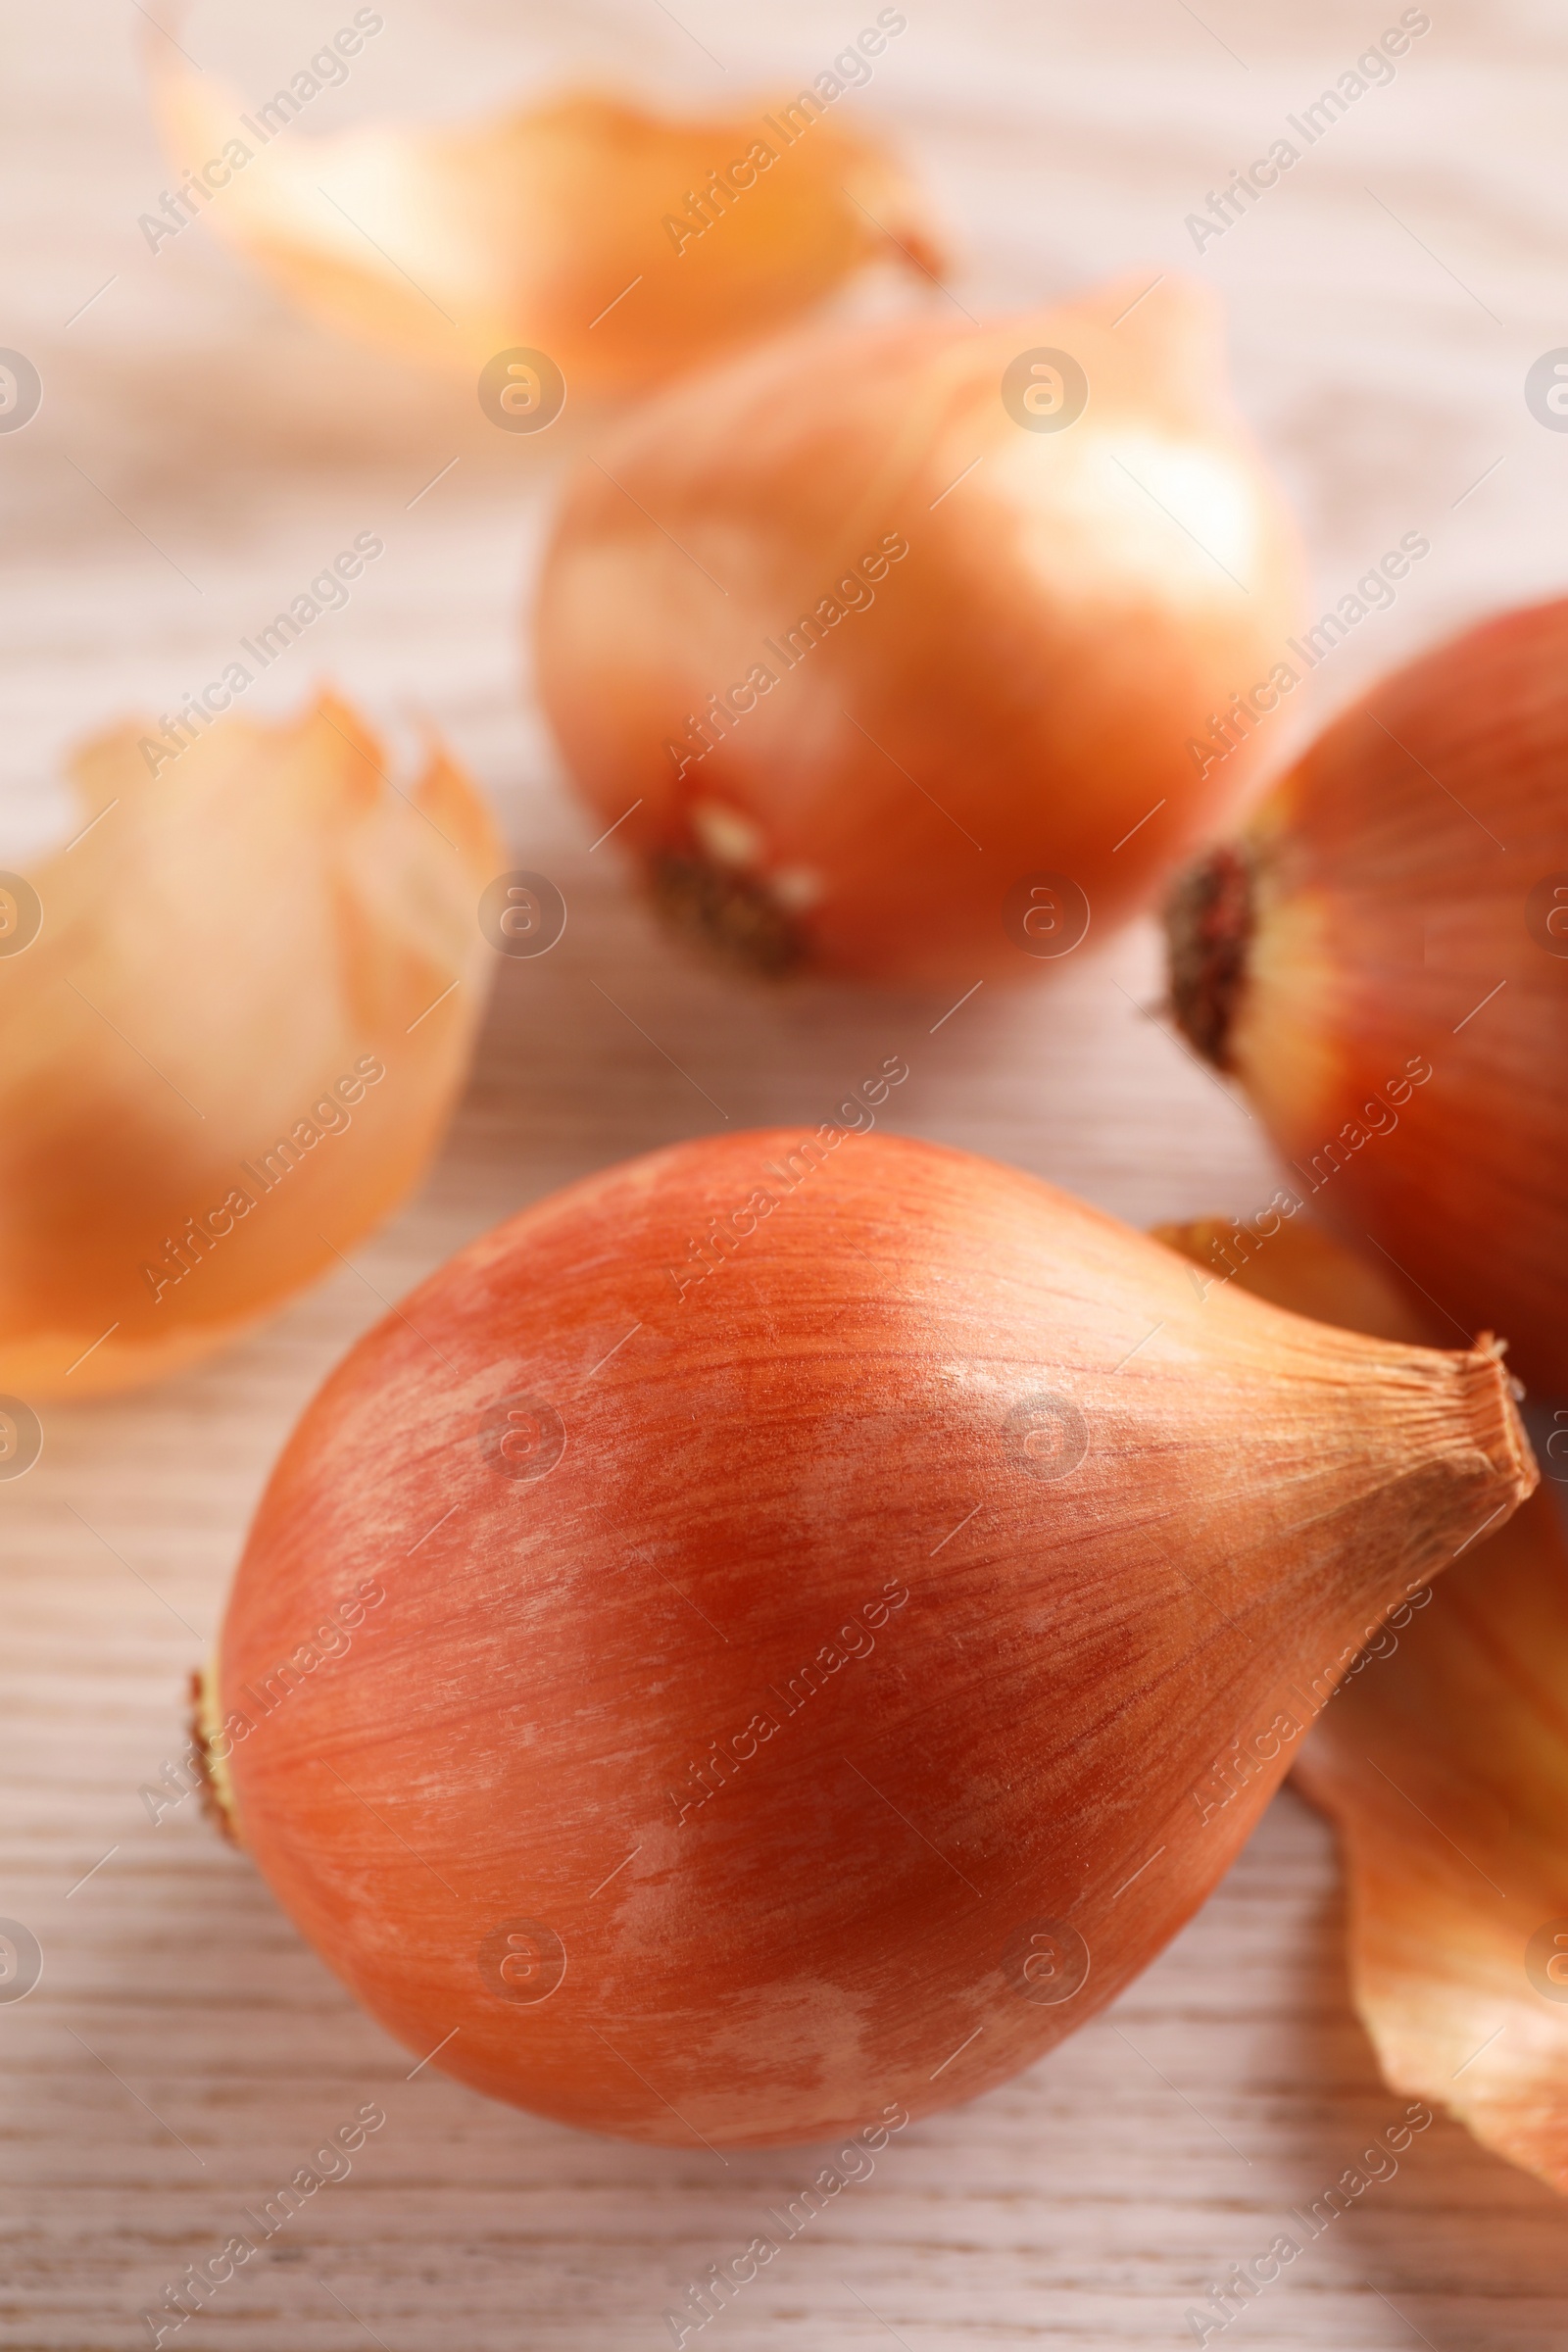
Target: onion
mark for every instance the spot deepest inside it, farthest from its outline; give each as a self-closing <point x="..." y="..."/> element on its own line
<point x="614" y="245"/>
<point x="1444" y="1763"/>
<point x="877" y="678"/>
<point x="1380" y="957"/>
<point x="746" y="1640"/>
<point x="235" y="1013"/>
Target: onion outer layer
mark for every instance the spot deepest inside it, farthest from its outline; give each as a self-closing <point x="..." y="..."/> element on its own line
<point x="874" y="677"/>
<point x="953" y="1482"/>
<point x="1381" y="957"/>
<point x="1443" y="1761"/>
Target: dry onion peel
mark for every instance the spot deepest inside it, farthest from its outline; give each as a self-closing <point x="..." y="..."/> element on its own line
<point x="193" y="1123"/>
<point x="585" y="229"/>
<point x="881" y="680"/>
<point x="1382" y="958"/>
<point x="1443" y="1762"/>
<point x="810" y="1590"/>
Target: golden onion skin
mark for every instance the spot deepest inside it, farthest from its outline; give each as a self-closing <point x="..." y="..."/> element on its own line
<point x="571" y="229"/>
<point x="235" y="1014"/>
<point x="1443" y="1761"/>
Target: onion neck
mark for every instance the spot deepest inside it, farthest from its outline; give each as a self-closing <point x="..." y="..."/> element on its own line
<point x="1209" y="920"/>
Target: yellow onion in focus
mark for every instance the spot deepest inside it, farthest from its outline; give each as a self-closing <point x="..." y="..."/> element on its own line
<point x="621" y="245"/>
<point x="234" y="1014"/>
<point x="887" y="646"/>
<point x="805" y="1648"/>
<point x="1442" y="1760"/>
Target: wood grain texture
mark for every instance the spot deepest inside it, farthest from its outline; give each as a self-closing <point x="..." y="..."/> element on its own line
<point x="200" y="455"/>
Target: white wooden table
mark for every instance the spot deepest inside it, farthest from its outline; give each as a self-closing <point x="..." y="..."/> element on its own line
<point x="198" y="453"/>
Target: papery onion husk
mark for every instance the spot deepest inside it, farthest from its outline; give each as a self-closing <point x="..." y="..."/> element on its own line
<point x="875" y="677"/>
<point x="1380" y="958"/>
<point x="223" y="1056"/>
<point x="1442" y="1760"/>
<point x="585" y="228"/>
<point x="811" y="1592"/>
